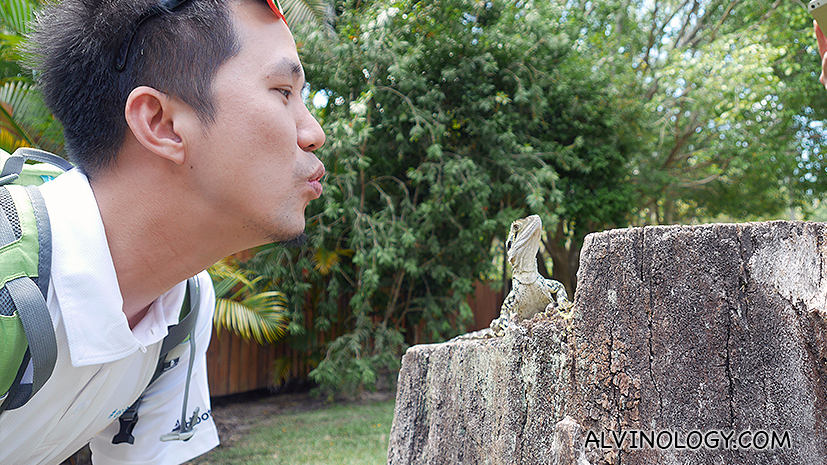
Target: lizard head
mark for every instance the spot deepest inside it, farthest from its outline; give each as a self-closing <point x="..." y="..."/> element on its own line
<point x="523" y="242"/>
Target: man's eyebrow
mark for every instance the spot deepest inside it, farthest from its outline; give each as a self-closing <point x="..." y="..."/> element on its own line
<point x="287" y="67"/>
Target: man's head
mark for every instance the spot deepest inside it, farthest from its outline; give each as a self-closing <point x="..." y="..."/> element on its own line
<point x="213" y="87"/>
<point x="265" y="174"/>
<point x="77" y="46"/>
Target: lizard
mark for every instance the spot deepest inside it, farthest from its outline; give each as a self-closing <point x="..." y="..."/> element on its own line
<point x="531" y="293"/>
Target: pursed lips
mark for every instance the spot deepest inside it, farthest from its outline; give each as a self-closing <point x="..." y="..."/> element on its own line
<point x="315" y="181"/>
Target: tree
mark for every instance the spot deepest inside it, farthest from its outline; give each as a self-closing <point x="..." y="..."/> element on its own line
<point x="446" y="121"/>
<point x="731" y="85"/>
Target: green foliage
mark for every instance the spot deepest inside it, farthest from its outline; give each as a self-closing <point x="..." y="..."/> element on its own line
<point x="445" y="121"/>
<point x="15" y="15"/>
<point x="732" y="90"/>
<point x="312" y="13"/>
<point x="24" y="119"/>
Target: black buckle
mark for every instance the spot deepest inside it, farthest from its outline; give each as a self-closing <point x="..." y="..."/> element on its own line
<point x="128" y="421"/>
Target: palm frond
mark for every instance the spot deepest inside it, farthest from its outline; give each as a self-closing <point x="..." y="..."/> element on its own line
<point x="280" y="369"/>
<point x="325" y="260"/>
<point x="8" y="142"/>
<point x="228" y="276"/>
<point x="243" y="310"/>
<point x="15" y="15"/>
<point x="12" y="98"/>
<point x="318" y="12"/>
<point x="262" y="316"/>
<point x="9" y="47"/>
<point x="228" y="268"/>
<point x="25" y="118"/>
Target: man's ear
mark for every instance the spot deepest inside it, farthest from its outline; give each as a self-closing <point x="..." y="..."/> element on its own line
<point x="151" y="115"/>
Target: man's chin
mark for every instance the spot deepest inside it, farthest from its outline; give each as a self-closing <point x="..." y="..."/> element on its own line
<point x="294" y="242"/>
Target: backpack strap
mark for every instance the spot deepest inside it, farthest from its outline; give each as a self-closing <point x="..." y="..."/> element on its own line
<point x="187" y="428"/>
<point x="42" y="156"/>
<point x="26" y="330"/>
<point x="11" y="169"/>
<point x="49" y="167"/>
<point x="171" y="349"/>
<point x="25" y="240"/>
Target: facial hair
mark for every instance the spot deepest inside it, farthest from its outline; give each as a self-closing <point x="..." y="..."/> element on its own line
<point x="294" y="242"/>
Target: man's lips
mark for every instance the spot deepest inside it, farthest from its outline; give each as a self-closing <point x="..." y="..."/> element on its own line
<point x="315" y="181"/>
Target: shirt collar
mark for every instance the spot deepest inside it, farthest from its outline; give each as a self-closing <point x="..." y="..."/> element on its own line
<point x="85" y="284"/>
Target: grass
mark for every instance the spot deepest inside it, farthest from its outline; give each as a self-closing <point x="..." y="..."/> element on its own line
<point x="338" y="434"/>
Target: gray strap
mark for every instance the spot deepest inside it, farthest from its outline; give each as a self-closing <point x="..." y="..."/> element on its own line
<point x="44" y="238"/>
<point x="187" y="428"/>
<point x="37" y="323"/>
<point x="178" y="333"/>
<point x="11" y="169"/>
<point x="44" y="157"/>
<point x="7" y="235"/>
<point x="175" y="336"/>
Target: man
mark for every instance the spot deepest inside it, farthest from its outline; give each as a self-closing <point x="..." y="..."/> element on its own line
<point x="192" y="140"/>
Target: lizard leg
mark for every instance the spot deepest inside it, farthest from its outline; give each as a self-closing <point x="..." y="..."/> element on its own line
<point x="498" y="325"/>
<point x="561" y="301"/>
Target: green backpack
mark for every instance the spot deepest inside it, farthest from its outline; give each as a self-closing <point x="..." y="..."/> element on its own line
<point x="26" y="332"/>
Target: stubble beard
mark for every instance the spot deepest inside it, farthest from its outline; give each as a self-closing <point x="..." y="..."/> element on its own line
<point x="294" y="242"/>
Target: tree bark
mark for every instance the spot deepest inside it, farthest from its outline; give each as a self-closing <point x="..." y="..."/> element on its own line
<point x="708" y="340"/>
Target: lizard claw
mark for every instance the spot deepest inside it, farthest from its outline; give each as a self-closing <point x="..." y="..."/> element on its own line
<point x="498" y="326"/>
<point x="563" y="307"/>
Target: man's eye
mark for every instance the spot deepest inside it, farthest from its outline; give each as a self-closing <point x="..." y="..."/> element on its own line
<point x="286" y="92"/>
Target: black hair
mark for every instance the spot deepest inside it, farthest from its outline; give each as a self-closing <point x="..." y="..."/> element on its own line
<point x="73" y="51"/>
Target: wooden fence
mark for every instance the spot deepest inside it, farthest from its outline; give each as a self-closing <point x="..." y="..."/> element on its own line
<point x="235" y="366"/>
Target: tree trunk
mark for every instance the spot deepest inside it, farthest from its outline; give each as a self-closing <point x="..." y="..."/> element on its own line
<point x="692" y="345"/>
<point x="565" y="258"/>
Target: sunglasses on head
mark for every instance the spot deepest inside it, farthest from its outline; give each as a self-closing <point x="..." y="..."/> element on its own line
<point x="166" y="6"/>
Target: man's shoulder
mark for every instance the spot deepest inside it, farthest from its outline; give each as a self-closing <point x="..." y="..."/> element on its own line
<point x="70" y="200"/>
<point x="69" y="181"/>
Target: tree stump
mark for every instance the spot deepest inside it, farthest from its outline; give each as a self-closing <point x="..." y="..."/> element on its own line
<point x="688" y="345"/>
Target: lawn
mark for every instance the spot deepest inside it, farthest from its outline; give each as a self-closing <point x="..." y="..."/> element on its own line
<point x="335" y="434"/>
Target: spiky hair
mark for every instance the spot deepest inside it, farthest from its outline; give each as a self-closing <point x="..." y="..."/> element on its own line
<point x="73" y="51"/>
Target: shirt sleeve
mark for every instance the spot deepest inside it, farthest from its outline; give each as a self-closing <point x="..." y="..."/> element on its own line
<point x="160" y="410"/>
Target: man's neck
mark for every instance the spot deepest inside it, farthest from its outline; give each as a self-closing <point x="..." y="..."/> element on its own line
<point x="157" y="234"/>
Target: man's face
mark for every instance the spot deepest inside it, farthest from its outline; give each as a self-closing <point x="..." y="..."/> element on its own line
<point x="255" y="165"/>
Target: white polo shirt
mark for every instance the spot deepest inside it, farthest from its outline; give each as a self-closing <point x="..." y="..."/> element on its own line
<point x="103" y="366"/>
